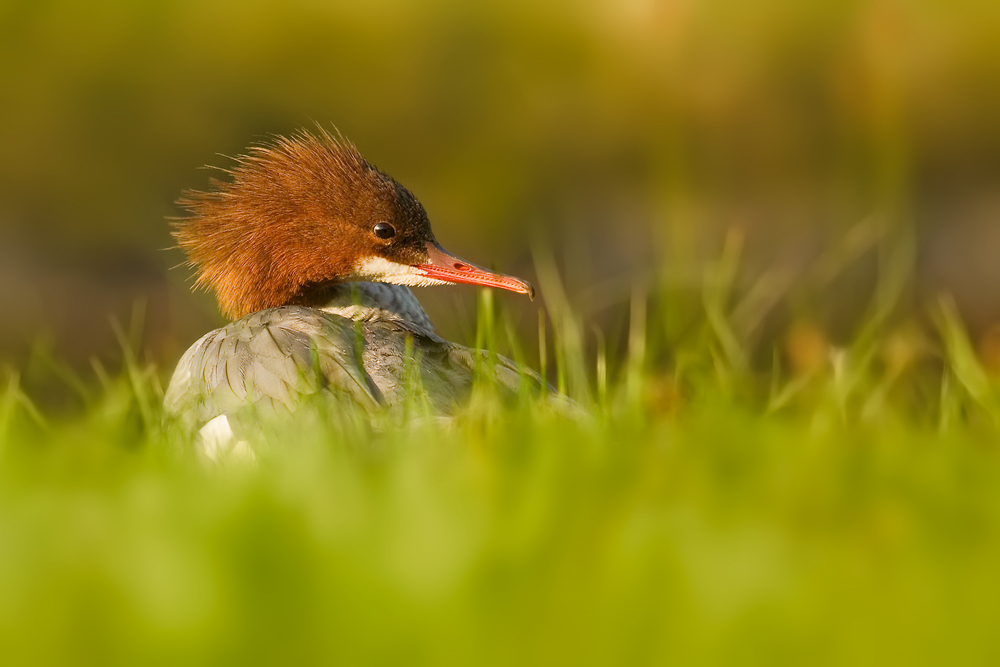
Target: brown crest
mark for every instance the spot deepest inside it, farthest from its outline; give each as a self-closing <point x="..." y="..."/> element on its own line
<point x="294" y="217"/>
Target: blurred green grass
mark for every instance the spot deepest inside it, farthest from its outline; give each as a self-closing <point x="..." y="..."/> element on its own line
<point x="841" y="509"/>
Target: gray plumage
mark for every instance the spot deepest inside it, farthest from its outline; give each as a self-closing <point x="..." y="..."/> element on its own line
<point x="369" y="346"/>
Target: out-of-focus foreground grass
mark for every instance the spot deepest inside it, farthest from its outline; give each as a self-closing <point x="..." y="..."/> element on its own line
<point x="843" y="509"/>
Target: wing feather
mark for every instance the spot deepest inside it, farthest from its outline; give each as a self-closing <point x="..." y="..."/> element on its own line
<point x="272" y="358"/>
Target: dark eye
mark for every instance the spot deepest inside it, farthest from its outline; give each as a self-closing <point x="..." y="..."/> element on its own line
<point x="384" y="230"/>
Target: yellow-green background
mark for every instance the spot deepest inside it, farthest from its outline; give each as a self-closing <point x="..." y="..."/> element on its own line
<point x="627" y="136"/>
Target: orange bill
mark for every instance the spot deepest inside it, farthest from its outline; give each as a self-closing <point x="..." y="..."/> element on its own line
<point x="442" y="265"/>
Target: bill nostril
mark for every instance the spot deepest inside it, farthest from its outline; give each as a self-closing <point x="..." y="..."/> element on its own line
<point x="462" y="267"/>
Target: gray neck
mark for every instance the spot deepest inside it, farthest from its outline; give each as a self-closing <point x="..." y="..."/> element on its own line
<point x="374" y="301"/>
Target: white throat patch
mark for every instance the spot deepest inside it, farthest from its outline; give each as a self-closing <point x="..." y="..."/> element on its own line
<point x="380" y="270"/>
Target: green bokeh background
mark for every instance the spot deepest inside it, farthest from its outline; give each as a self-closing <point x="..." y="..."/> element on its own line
<point x="628" y="137"/>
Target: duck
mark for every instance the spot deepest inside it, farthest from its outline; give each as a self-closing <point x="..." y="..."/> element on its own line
<point x="311" y="252"/>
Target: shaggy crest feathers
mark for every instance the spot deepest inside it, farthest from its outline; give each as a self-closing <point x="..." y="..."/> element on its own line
<point x="290" y="220"/>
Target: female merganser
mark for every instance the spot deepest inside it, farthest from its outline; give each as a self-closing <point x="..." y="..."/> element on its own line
<point x="310" y="249"/>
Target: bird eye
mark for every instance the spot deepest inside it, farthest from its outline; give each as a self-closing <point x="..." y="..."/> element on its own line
<point x="384" y="230"/>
